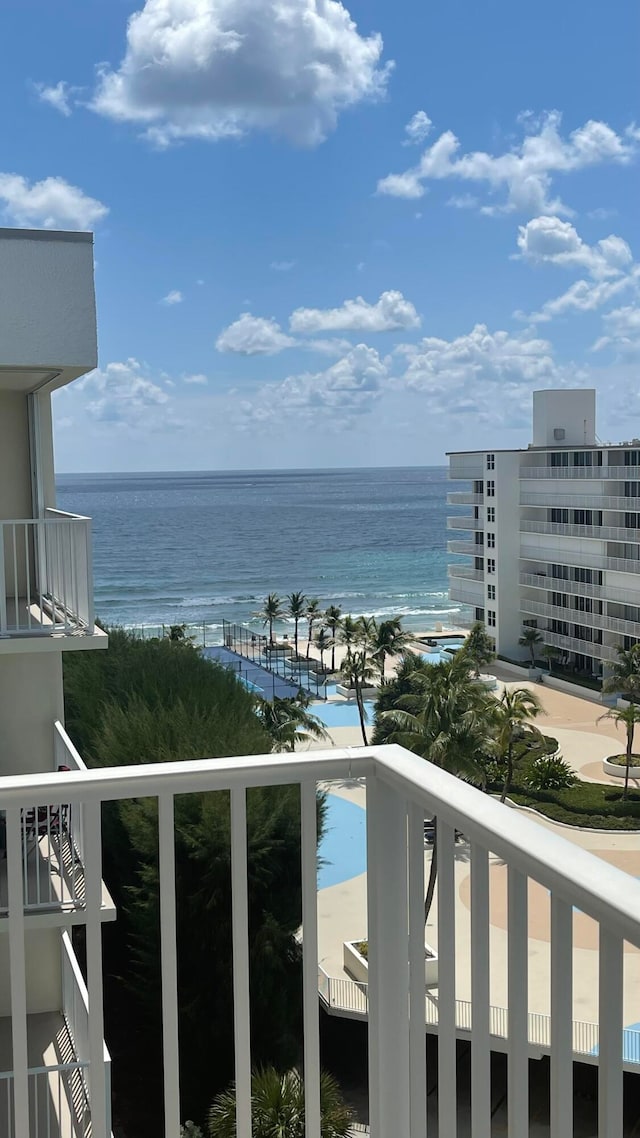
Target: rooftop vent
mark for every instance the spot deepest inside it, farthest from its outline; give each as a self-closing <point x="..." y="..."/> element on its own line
<point x="558" y="434"/>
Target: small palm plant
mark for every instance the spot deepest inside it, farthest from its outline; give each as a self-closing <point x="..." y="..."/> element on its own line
<point x="277" y="1107"/>
<point x="550" y="653"/>
<point x="323" y="641"/>
<point x="510" y="723"/>
<point x="627" y="717"/>
<point x="390" y="639"/>
<point x="288" y="722"/>
<point x="356" y="671"/>
<point x="270" y="612"/>
<point x="333" y="617"/>
<point x="479" y="647"/>
<point x="530" y="639"/>
<point x="313" y="613"/>
<point x="350" y="633"/>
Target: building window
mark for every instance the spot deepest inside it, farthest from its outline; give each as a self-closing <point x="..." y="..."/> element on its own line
<point x="560" y="517"/>
<point x="586" y="517"/>
<point x="479" y="613"/>
<point x="479" y="563"/>
<point x="491" y="489"/>
<point x="479" y="537"/>
<point x="491" y="565"/>
<point x="632" y="521"/>
<point x="632" y="458"/>
<point x="559" y="458"/>
<point x="491" y="541"/>
<point x="491" y="592"/>
<point x="491" y="618"/>
<point x="491" y="462"/>
<point x="560" y="600"/>
<point x="491" y="513"/>
<point x="560" y="626"/>
<point x="560" y="572"/>
<point x="632" y="489"/>
<point x="478" y="487"/>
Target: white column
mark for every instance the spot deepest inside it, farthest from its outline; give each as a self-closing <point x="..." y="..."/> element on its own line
<point x="93" y="887"/>
<point x="610" y="1082"/>
<point x="518" y="1000"/>
<point x="447" y="1059"/>
<point x="388" y="959"/>
<point x="417" y="1033"/>
<point x="240" y="936"/>
<point x="561" y="1018"/>
<point x="169" y="966"/>
<point x="308" y="810"/>
<point x="17" y="972"/>
<point x="480" y="995"/>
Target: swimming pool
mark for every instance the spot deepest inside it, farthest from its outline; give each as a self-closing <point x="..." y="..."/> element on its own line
<point x="343" y="714"/>
<point x="250" y="686"/>
<point x="343" y="849"/>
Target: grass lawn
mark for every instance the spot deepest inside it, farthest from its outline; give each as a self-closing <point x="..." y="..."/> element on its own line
<point x="585" y="804"/>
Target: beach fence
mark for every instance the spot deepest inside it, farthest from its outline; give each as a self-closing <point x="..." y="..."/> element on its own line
<point x="201" y="634"/>
<point x="278" y="658"/>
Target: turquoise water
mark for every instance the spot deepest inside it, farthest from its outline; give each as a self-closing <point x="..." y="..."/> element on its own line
<point x="342" y="714"/>
<point x="250" y="686"/>
<point x="197" y="547"/>
<point x="343" y="849"/>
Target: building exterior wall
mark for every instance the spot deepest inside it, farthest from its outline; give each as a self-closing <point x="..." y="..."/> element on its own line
<point x="42" y="954"/>
<point x="31" y="701"/>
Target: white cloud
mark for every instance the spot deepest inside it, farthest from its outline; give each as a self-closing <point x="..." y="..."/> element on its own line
<point x="172" y="297"/>
<point x="582" y="296"/>
<point x="122" y="393"/>
<point x="417" y="128"/>
<point x="463" y="201"/>
<point x="56" y="96"/>
<point x="346" y="390"/>
<point x="282" y="266"/>
<point x="525" y="172"/>
<point x="390" y="311"/>
<point x="253" y="336"/>
<point x="329" y="346"/>
<point x="622" y="330"/>
<point x="212" y="69"/>
<point x="548" y="240"/>
<point x="49" y="204"/>
<point x="198" y="379"/>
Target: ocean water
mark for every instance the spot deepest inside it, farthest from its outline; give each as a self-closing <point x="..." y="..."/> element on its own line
<point x="198" y="547"/>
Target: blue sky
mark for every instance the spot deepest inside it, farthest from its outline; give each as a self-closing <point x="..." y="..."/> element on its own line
<point x="328" y="234"/>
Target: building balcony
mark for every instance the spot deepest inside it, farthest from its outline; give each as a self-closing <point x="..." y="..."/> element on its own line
<point x="466" y="596"/>
<point x="577" y="557"/>
<point x="567" y="529"/>
<point x="574" y="644"/>
<point x="46" y="582"/>
<point x="503" y="851"/>
<point x="608" y="473"/>
<point x="468" y="547"/>
<point x="465" y="572"/>
<point x="465" y="522"/>
<point x="464" y="498"/>
<point x="575" y="616"/>
<point x="52" y="857"/>
<point x="466" y="467"/>
<point x="578" y="588"/>
<point x="57" y="1065"/>
<point x="577" y="501"/>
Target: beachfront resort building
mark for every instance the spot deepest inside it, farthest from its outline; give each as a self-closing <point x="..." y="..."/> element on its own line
<point x="54" y="1066"/>
<point x="553" y="534"/>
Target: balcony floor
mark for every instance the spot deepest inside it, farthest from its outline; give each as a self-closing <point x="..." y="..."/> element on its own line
<point x="61" y="1110"/>
<point x="36" y="631"/>
<point x="53" y="885"/>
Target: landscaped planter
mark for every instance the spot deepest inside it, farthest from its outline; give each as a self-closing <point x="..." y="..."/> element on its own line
<point x="367" y="693"/>
<point x="485" y="681"/>
<point x="619" y="771"/>
<point x="358" y="967"/>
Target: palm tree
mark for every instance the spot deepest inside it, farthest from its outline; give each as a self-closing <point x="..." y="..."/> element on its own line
<point x="297" y="610"/>
<point x="312" y="614"/>
<point x="270" y="612"/>
<point x="350" y="633"/>
<point x="529" y="639"/>
<point x="277" y="1108"/>
<point x="510" y="724"/>
<point x="550" y="653"/>
<point x="356" y="670"/>
<point x="479" y="647"/>
<point x="629" y="717"/>
<point x="288" y="722"/>
<point x="333" y="617"/>
<point x="323" y="641"/>
<point x="625" y="674"/>
<point x="443" y="721"/>
<point x="390" y="640"/>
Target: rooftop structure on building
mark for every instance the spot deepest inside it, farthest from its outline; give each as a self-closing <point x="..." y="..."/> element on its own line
<point x="553" y="536"/>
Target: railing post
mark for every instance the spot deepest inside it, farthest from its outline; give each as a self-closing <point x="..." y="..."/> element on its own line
<point x="388" y="944"/>
<point x="90" y="601"/>
<point x="17" y="973"/>
<point x="3" y="587"/>
<point x="93" y="884"/>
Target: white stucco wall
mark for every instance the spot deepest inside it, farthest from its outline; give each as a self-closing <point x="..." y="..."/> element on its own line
<point x="506" y="553"/>
<point x="30" y="702"/>
<point x="43" y="967"/>
<point x="47" y="301"/>
<point x="574" y="411"/>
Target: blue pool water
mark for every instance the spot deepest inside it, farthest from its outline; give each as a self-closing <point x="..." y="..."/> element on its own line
<point x="250" y="686"/>
<point x="330" y="689"/>
<point x="343" y="849"/>
<point x="342" y="714"/>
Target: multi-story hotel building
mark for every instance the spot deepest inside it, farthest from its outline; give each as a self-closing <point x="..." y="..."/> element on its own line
<point x="554" y="536"/>
<point x="54" y="1066"/>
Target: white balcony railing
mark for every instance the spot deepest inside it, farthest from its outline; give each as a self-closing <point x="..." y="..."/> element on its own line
<point x="464" y="498"/>
<point x="466" y="596"/>
<point x="400" y="789"/>
<point x="465" y="572"/>
<point x="569" y="529"/>
<point x="470" y="547"/>
<point x="46" y="577"/>
<point x="465" y="522"/>
<point x="59" y="1093"/>
<point x="610" y="473"/>
<point x="574" y="644"/>
<point x="575" y="616"/>
<point x="578" y="557"/>
<point x="577" y="501"/>
<point x="52" y="845"/>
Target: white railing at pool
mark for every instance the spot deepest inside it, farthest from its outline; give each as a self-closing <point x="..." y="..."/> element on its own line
<point x="401" y="788"/>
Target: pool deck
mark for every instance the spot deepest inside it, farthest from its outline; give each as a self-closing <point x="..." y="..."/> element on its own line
<point x="342" y="908"/>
